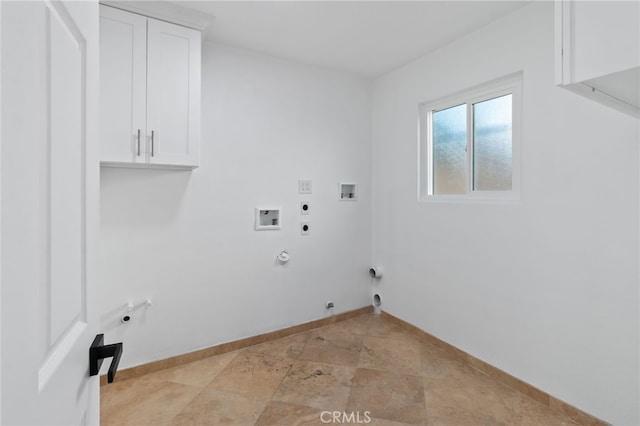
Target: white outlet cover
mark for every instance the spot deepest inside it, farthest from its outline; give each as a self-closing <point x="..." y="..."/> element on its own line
<point x="304" y="186"/>
<point x="303" y="210"/>
<point x="303" y="230"/>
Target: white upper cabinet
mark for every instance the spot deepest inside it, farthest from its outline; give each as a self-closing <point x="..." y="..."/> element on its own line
<point x="150" y="91"/>
<point x="173" y="93"/>
<point x="123" y="85"/>
<point x="598" y="51"/>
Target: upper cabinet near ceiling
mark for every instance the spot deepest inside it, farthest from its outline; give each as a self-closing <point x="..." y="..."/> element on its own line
<point x="150" y="92"/>
<point x="598" y="51"/>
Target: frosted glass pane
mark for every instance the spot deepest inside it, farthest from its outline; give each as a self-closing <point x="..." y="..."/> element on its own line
<point x="492" y="165"/>
<point x="449" y="150"/>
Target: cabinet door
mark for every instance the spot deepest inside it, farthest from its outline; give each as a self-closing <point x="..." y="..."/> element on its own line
<point x="123" y="39"/>
<point x="606" y="37"/>
<point x="173" y="94"/>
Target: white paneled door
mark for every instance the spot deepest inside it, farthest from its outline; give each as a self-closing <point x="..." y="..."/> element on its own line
<point x="49" y="199"/>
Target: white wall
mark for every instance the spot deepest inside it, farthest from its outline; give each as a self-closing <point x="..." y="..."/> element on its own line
<point x="186" y="239"/>
<point x="547" y="288"/>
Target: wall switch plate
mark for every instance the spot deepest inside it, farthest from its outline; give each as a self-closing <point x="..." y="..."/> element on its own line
<point x="305" y="229"/>
<point x="304" y="186"/>
<point x="305" y="207"/>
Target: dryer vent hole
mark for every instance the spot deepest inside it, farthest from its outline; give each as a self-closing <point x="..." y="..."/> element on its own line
<point x="376" y="300"/>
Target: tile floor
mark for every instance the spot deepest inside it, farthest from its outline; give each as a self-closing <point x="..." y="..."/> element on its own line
<point x="366" y="367"/>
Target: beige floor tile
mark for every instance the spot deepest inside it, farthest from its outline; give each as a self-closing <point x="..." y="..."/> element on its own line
<point x="317" y="385"/>
<point x="471" y="397"/>
<point x="332" y="346"/>
<point x="252" y="375"/>
<point x="388" y="396"/>
<point x="141" y="402"/>
<point x="494" y="415"/>
<point x="213" y="407"/>
<point x="123" y="392"/>
<point x="468" y="390"/>
<point x="381" y="422"/>
<point x="513" y="407"/>
<point x="380" y="327"/>
<point x="437" y="364"/>
<point x="197" y="373"/>
<point x="358" y="325"/>
<point x="524" y="411"/>
<point x="286" y="347"/>
<point x="286" y="414"/>
<point x="448" y="416"/>
<point x="390" y="355"/>
<point x="364" y="367"/>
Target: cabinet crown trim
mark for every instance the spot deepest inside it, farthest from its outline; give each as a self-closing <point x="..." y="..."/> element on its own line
<point x="164" y="11"/>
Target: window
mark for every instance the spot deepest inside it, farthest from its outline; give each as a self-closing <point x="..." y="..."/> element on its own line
<point x="470" y="143"/>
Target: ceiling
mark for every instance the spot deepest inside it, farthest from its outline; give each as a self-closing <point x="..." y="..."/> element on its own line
<point x="365" y="38"/>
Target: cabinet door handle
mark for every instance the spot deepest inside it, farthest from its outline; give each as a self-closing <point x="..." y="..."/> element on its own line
<point x="152" y="143"/>
<point x="138" y="150"/>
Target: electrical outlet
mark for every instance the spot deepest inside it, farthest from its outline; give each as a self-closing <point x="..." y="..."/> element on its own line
<point x="329" y="305"/>
<point x="305" y="229"/>
<point x="305" y="207"/>
<point x="304" y="186"/>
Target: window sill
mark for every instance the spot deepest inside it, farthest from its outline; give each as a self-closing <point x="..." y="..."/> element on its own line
<point x="511" y="199"/>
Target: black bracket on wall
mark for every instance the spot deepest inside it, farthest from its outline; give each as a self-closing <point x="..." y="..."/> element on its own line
<point x="99" y="351"/>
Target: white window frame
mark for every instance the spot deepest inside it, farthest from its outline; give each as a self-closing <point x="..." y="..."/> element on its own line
<point x="511" y="84"/>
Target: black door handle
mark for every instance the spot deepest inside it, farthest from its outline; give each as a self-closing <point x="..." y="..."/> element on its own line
<point x="99" y="351"/>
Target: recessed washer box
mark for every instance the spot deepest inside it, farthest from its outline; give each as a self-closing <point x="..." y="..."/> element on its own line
<point x="268" y="218"/>
<point x="348" y="191"/>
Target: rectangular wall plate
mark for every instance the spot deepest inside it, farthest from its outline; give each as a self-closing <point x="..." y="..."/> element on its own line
<point x="305" y="207"/>
<point x="304" y="186"/>
<point x="305" y="228"/>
